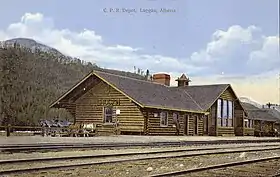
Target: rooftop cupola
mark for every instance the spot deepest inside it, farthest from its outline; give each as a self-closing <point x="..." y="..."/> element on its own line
<point x="183" y="81"/>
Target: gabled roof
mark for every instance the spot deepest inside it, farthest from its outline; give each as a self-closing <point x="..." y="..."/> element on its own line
<point x="205" y="95"/>
<point x="249" y="106"/>
<point x="150" y="94"/>
<point x="144" y="93"/>
<point x="153" y="95"/>
<point x="261" y="113"/>
<point x="275" y="113"/>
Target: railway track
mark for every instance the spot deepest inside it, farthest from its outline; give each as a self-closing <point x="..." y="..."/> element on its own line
<point x="60" y="146"/>
<point x="266" y="164"/>
<point x="67" y="162"/>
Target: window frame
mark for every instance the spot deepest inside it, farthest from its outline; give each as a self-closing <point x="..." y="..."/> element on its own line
<point x="105" y="115"/>
<point x="230" y="113"/>
<point x="225" y="113"/>
<point x="175" y="117"/>
<point x="246" y="123"/>
<point x="163" y="115"/>
<point x="250" y="125"/>
<point x="219" y="112"/>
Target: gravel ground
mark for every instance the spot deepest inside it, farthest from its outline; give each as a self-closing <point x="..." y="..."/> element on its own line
<point x="260" y="169"/>
<point x="119" y="139"/>
<point x="148" y="167"/>
<point x="65" y="153"/>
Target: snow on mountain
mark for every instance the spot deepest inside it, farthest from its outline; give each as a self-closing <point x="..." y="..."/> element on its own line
<point x="32" y="44"/>
<point x="250" y="101"/>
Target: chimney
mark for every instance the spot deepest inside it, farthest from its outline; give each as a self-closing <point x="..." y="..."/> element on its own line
<point x="162" y="79"/>
<point x="183" y="81"/>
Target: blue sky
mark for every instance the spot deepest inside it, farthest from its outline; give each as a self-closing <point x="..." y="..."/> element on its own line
<point x="173" y="34"/>
<point x="228" y="41"/>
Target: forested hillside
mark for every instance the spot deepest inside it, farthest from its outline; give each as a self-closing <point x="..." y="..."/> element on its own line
<point x="31" y="79"/>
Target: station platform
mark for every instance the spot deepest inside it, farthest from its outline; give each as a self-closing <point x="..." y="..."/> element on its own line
<point x="126" y="139"/>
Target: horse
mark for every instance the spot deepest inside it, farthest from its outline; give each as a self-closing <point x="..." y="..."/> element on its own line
<point x="74" y="129"/>
<point x="45" y="124"/>
<point x="88" y="128"/>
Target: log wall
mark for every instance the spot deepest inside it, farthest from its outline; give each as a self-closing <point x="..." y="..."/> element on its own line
<point x="248" y="131"/>
<point x="237" y="129"/>
<point x="239" y="122"/>
<point x="88" y="109"/>
<point x="154" y="128"/>
<point x="213" y="120"/>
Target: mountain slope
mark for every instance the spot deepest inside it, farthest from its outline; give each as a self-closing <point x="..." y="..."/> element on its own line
<point x="30" y="81"/>
<point x="32" y="44"/>
<point x="250" y="101"/>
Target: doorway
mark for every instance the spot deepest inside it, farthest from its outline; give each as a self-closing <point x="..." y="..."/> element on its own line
<point x="205" y="126"/>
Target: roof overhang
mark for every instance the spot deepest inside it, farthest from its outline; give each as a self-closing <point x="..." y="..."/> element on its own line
<point x="176" y="109"/>
<point x="55" y="103"/>
<point x="92" y="73"/>
<point x="237" y="99"/>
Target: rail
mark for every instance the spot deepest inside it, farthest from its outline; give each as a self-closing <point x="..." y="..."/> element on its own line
<point x="212" y="167"/>
<point x="103" y="159"/>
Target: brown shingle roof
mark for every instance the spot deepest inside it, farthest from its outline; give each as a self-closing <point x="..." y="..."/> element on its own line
<point x="205" y="95"/>
<point x="275" y="113"/>
<point x="151" y="94"/>
<point x="249" y="106"/>
<point x="261" y="113"/>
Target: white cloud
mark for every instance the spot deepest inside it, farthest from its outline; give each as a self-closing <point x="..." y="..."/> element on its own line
<point x="90" y="46"/>
<point x="268" y="56"/>
<point x="240" y="51"/>
<point x="236" y="52"/>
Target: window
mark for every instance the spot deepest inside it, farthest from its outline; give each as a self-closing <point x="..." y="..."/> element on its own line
<point x="230" y="113"/>
<point x="175" y="118"/>
<point x="219" y="111"/>
<point x="108" y="114"/>
<point x="246" y="123"/>
<point x="225" y="113"/>
<point x="163" y="119"/>
<point x="249" y="123"/>
<point x="230" y="110"/>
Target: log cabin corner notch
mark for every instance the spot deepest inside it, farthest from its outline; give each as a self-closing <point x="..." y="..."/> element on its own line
<point x="146" y="107"/>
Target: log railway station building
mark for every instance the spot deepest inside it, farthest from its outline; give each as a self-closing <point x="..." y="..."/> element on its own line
<point x="153" y="107"/>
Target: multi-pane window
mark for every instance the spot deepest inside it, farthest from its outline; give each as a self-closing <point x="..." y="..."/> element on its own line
<point x="230" y="113"/>
<point x="219" y="111"/>
<point x="251" y="123"/>
<point x="225" y="113"/>
<point x="108" y="114"/>
<point x="163" y="119"/>
<point x="248" y="123"/>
